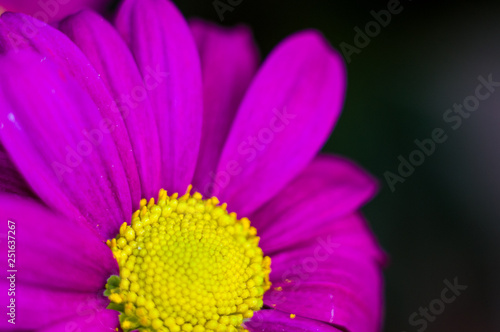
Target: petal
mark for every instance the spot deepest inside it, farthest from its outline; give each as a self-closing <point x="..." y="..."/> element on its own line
<point x="165" y="52"/>
<point x="93" y="320"/>
<point x="229" y="60"/>
<point x="275" y="320"/>
<point x="329" y="188"/>
<point x="112" y="59"/>
<point x="52" y="310"/>
<point x="334" y="278"/>
<point x="60" y="143"/>
<point x="20" y="32"/>
<point x="11" y="181"/>
<point x="284" y="118"/>
<point x="50" y="11"/>
<point x="53" y="251"/>
<point x="61" y="265"/>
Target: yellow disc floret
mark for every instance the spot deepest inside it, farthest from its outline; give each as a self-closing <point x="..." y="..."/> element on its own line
<point x="187" y="264"/>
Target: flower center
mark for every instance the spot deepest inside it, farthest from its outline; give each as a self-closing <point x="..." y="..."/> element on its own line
<point x="186" y="264"/>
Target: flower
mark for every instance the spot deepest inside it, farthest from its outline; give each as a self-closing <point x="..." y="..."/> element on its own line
<point x="96" y="116"/>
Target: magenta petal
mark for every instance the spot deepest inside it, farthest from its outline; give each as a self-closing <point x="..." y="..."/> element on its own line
<point x="92" y="320"/>
<point x="112" y="59"/>
<point x="229" y="60"/>
<point x="11" y="181"/>
<point x="53" y="251"/>
<point x="60" y="143"/>
<point x="335" y="278"/>
<point x="278" y="321"/>
<point x="284" y="119"/>
<point x="166" y="54"/>
<point x="61" y="265"/>
<point x="50" y="11"/>
<point x="38" y="308"/>
<point x="330" y="187"/>
<point x="20" y="32"/>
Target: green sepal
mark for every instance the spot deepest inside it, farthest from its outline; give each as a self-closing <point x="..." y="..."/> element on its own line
<point x="116" y="306"/>
<point x="133" y="320"/>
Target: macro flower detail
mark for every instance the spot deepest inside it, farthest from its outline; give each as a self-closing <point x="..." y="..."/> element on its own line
<point x="97" y="117"/>
<point x="186" y="263"/>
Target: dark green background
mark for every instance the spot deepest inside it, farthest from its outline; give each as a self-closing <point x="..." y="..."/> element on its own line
<point x="442" y="222"/>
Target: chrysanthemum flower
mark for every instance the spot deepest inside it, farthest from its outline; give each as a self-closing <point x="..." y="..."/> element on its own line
<point x="99" y="120"/>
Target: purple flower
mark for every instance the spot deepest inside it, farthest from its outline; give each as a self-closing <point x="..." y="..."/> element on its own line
<point x="96" y="116"/>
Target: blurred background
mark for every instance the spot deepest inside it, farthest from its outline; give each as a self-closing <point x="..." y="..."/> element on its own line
<point x="443" y="221"/>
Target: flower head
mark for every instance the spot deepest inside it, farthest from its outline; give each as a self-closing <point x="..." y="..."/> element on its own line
<point x="97" y="119"/>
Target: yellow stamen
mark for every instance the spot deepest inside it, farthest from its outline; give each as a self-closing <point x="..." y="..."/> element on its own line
<point x="187" y="264"/>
